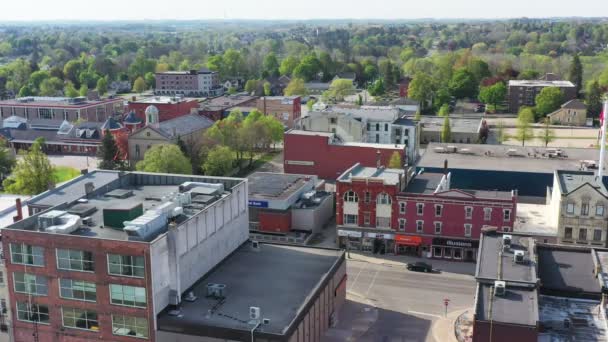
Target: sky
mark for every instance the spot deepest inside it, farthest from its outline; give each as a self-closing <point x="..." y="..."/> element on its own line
<point x="37" y="10"/>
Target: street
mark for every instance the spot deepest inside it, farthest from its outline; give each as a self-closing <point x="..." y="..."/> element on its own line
<point x="386" y="302"/>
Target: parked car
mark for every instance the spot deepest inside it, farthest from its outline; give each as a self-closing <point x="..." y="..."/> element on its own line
<point x="420" y="267"/>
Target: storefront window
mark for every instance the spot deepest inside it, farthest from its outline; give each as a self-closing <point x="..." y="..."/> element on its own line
<point x="457" y="253"/>
<point x="437" y="252"/>
<point x="447" y="253"/>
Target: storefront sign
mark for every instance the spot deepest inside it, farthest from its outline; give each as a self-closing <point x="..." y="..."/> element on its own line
<point x="258" y="204"/>
<point x="380" y="236"/>
<point x="349" y="233"/>
<point x="456" y="243"/>
<point x="408" y="240"/>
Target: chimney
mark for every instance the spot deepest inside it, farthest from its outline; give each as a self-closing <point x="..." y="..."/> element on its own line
<point x="445" y="167"/>
<point x="378" y="162"/>
<point x="19" y="215"/>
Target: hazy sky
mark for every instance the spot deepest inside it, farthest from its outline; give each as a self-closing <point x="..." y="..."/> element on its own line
<point x="289" y="9"/>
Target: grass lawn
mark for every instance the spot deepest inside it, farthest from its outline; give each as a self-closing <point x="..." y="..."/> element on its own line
<point x="64" y="173"/>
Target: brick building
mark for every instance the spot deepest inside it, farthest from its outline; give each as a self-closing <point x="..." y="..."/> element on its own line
<point x="168" y="107"/>
<point x="321" y="154"/>
<point x="379" y="209"/>
<point x="219" y="107"/>
<point x="103" y="254"/>
<point x="523" y="92"/>
<point x="203" y="82"/>
<point x="62" y="108"/>
<point x="286" y="109"/>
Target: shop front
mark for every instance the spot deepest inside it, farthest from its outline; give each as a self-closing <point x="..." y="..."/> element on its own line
<point x="408" y="245"/>
<point x="372" y="242"/>
<point x="455" y="249"/>
<point x="350" y="239"/>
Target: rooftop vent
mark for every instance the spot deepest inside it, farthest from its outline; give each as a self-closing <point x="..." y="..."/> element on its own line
<point x="255" y="245"/>
<point x="500" y="288"/>
<point x="190" y="297"/>
<point x="518" y="257"/>
<point x="506" y="239"/>
<point x="217" y="291"/>
<point x="254" y="312"/>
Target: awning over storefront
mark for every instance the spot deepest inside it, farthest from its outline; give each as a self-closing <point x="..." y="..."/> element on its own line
<point x="456" y="243"/>
<point x="408" y="240"/>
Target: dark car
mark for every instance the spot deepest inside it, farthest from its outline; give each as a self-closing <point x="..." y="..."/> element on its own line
<point x="420" y="267"/>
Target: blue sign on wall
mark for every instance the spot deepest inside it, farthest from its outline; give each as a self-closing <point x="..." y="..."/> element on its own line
<point x="258" y="204"/>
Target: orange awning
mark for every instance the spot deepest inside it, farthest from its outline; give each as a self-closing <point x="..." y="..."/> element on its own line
<point x="408" y="240"/>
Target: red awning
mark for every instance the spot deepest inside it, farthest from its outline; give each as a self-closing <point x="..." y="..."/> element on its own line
<point x="408" y="240"/>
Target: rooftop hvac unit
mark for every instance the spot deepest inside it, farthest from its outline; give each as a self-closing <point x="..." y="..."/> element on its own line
<point x="255" y="245"/>
<point x="500" y="288"/>
<point x="254" y="312"/>
<point x="518" y="257"/>
<point x="506" y="239"/>
<point x="216" y="290"/>
<point x="190" y="297"/>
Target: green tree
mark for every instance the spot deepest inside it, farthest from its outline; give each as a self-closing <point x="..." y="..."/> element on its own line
<point x="310" y="103"/>
<point x="308" y="68"/>
<point x="71" y="71"/>
<point x="339" y="89"/>
<point x="69" y="90"/>
<point x="139" y="86"/>
<point x="251" y="86"/>
<point x="593" y="99"/>
<point x="603" y="78"/>
<point x="25" y="91"/>
<point x="528" y="75"/>
<point x="494" y="94"/>
<point x="271" y="64"/>
<point x="219" y="162"/>
<point x="377" y="88"/>
<point x="524" y="131"/>
<point x="547" y="135"/>
<point x="421" y="89"/>
<point x="295" y="87"/>
<point x="108" y="153"/>
<point x="444" y="110"/>
<point x="548" y="100"/>
<point x="417" y="116"/>
<point x="267" y="89"/>
<point x="226" y="132"/>
<point x="463" y="84"/>
<point x="446" y="130"/>
<point x="395" y="161"/>
<point x="84" y="90"/>
<point x="575" y="73"/>
<point x="501" y="135"/>
<point x="165" y="158"/>
<point x="32" y="173"/>
<point x="288" y="65"/>
<point x="37" y="77"/>
<point x="359" y="100"/>
<point x="102" y="86"/>
<point x="150" y="80"/>
<point x="51" y="86"/>
<point x="7" y="161"/>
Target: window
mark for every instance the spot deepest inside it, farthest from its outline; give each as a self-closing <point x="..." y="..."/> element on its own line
<point x="351" y="196"/>
<point x="332" y="121"/>
<point x="487" y="214"/>
<point x="31" y="284"/>
<point x="597" y="235"/>
<point x="402" y="224"/>
<point x="402" y="206"/>
<point x="79" y="319"/>
<point x="570" y="208"/>
<point x="599" y="210"/>
<point x="128" y="295"/>
<point x="467" y="229"/>
<point x="383" y="198"/>
<point x="75" y="260"/>
<point x="26" y="254"/>
<point x="1" y="278"/>
<point x="129" y="326"/>
<point x="437" y="227"/>
<point x="506" y="215"/>
<point x="3" y="305"/>
<point x="368" y="126"/>
<point x="419" y="208"/>
<point x="45" y="113"/>
<point x="32" y="312"/>
<point x="126" y="265"/>
<point x="582" y="234"/>
<point x="377" y="127"/>
<point x="585" y="209"/>
<point x="386" y="127"/>
<point x="78" y="290"/>
<point x="419" y="226"/>
<point x="568" y="233"/>
<point x="468" y="213"/>
<point x="438" y="252"/>
<point x="377" y="138"/>
<point x="383" y="222"/>
<point x="438" y="210"/>
<point x="366" y="219"/>
<point x="351" y="219"/>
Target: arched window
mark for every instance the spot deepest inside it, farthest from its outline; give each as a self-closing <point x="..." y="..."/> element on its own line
<point x="383" y="198"/>
<point x="351" y="196"/>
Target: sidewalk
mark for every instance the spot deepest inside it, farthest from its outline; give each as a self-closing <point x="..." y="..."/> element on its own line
<point x="443" y="329"/>
<point x="460" y="267"/>
<point x="355" y="318"/>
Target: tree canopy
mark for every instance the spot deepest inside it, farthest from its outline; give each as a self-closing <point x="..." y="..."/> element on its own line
<point x="32" y="173"/>
<point x="165" y="158"/>
<point x="339" y="89"/>
<point x="548" y="100"/>
<point x="395" y="161"/>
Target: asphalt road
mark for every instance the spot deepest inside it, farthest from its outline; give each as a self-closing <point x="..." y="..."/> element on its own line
<point x="388" y="303"/>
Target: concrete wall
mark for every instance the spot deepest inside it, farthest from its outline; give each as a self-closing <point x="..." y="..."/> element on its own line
<point x="502" y="332"/>
<point x="313" y="219"/>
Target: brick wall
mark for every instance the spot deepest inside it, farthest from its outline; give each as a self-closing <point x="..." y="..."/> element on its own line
<point x="502" y="332"/>
<point x="274" y="221"/>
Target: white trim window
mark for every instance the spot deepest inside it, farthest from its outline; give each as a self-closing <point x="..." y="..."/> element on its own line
<point x="351" y="220"/>
<point x="599" y="210"/>
<point x="77" y="290"/>
<point x="570" y="208"/>
<point x="585" y="209"/>
<point x="130" y="326"/>
<point x="467" y="229"/>
<point x="438" y="225"/>
<point x="402" y="224"/>
<point x="79" y="319"/>
<point x="383" y="198"/>
<point x="468" y="213"/>
<point x="487" y="214"/>
<point x="402" y="207"/>
<point x="419" y="209"/>
<point x="438" y="210"/>
<point x="506" y="215"/>
<point x="75" y="260"/>
<point x="383" y="222"/>
<point x="24" y="254"/>
<point x="126" y="265"/>
<point x="28" y="312"/>
<point x="128" y="295"/>
<point x="419" y="226"/>
<point x="32" y="284"/>
<point x="351" y="197"/>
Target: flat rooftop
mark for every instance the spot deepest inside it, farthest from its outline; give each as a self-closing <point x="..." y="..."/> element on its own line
<point x="388" y="176"/>
<point x="569" y="181"/>
<point x="424" y="183"/>
<point x="540" y="83"/>
<point x="278" y="279"/>
<point x="43" y="101"/>
<point x="162" y="100"/>
<point x="490" y="263"/>
<point x="270" y="185"/>
<point x="587" y="322"/>
<point x="532" y="219"/>
<point x="567" y="270"/>
<point x="504" y="158"/>
<point x="457" y="125"/>
<point x="517" y="306"/>
<point x="228" y="101"/>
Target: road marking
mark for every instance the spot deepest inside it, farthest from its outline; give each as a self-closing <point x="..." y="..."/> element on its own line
<point x="371" y="283"/>
<point x="357" y="276"/>
<point x="424" y="314"/>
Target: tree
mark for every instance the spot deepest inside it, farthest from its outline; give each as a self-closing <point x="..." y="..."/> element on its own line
<point x="84" y="90"/>
<point x="271" y="64"/>
<point x="395" y="161"/>
<point x="71" y="71"/>
<point x="547" y="135"/>
<point x="446" y="130"/>
<point x="501" y="136"/>
<point x="7" y="161"/>
<point x="484" y="132"/>
<point x="359" y="100"/>
<point x="109" y="153"/>
<point x="37" y="77"/>
<point x="463" y="84"/>
<point x="528" y="75"/>
<point x="25" y="91"/>
<point x="603" y="78"/>
<point x="421" y="89"/>
<point x="50" y="87"/>
<point x="251" y="86"/>
<point x="69" y="90"/>
<point x="377" y="88"/>
<point x="494" y="94"/>
<point x="417" y="116"/>
<point x="310" y="103"/>
<point x="308" y="68"/>
<point x="575" y="73"/>
<point x="295" y="87"/>
<point x="593" y="98"/>
<point x="524" y="131"/>
<point x="288" y="65"/>
<point x="219" y="162"/>
<point x="165" y="158"/>
<point x="339" y="89"/>
<point x="150" y="80"/>
<point x="444" y="110"/>
<point x="548" y="100"/>
<point x="102" y="86"/>
<point x="139" y="85"/>
<point x="32" y="173"/>
<point x="267" y="89"/>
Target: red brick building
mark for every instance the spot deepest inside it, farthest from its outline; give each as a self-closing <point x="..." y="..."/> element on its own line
<point x="286" y="109"/>
<point x="62" y="108"/>
<point x="168" y="107"/>
<point x="318" y="153"/>
<point x="380" y="209"/>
